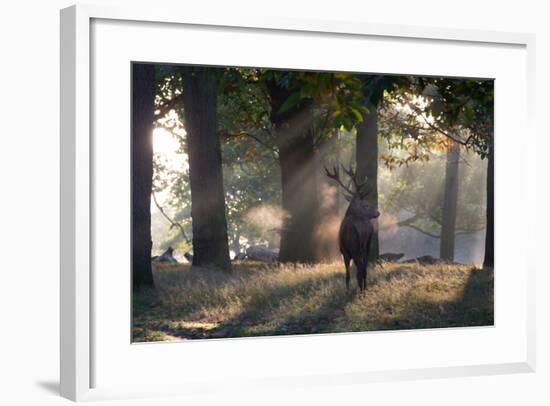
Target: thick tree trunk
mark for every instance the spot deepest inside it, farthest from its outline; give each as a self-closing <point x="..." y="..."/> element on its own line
<point x="210" y="245"/>
<point x="299" y="181"/>
<point x="299" y="198"/>
<point x="143" y="96"/>
<point x="489" y="260"/>
<point x="367" y="165"/>
<point x="448" y="220"/>
<point x="327" y="230"/>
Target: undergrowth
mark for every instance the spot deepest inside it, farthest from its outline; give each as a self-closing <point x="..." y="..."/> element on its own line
<point x="258" y="300"/>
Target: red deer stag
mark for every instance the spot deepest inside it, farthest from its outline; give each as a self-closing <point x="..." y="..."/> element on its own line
<point x="356" y="228"/>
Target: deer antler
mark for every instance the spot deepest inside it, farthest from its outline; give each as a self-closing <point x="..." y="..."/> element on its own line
<point x="335" y="175"/>
<point x="358" y="185"/>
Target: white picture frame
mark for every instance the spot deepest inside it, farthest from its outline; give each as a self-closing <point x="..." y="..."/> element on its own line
<point x="77" y="283"/>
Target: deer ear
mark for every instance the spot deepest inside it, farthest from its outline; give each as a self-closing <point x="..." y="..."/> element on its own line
<point x="363" y="191"/>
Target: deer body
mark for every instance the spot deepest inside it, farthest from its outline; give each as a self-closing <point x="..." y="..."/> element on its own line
<point x="356" y="229"/>
<point x="354" y="241"/>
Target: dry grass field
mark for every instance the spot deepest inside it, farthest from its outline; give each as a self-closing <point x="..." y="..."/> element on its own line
<point x="259" y="300"/>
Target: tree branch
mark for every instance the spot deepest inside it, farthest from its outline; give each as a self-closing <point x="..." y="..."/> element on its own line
<point x="473" y="230"/>
<point x="410" y="223"/>
<point x="172" y="222"/>
<point x="422" y="231"/>
<point x="247" y="134"/>
<point x="445" y="133"/>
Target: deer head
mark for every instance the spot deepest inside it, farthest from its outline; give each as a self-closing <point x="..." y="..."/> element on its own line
<point x="355" y="192"/>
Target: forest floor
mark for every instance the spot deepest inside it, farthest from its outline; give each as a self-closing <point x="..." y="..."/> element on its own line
<point x="260" y="300"/>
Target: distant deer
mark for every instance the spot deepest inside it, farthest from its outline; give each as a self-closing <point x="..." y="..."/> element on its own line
<point x="356" y="228"/>
<point x="167" y="257"/>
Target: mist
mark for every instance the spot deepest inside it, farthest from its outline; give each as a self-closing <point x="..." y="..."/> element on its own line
<point x="403" y="192"/>
<point x="294" y="202"/>
<point x="412" y="171"/>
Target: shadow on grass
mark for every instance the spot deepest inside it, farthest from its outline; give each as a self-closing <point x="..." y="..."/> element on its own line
<point x="319" y="303"/>
<point x="475" y="307"/>
<point x="305" y="320"/>
<point x="260" y="311"/>
<point x="155" y="302"/>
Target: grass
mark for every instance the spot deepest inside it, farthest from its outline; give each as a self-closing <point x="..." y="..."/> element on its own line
<point x="258" y="300"/>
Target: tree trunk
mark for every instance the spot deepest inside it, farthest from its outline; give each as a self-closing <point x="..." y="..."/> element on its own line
<point x="489" y="260"/>
<point x="367" y="165"/>
<point x="210" y="245"/>
<point x="448" y="217"/>
<point x="300" y="199"/>
<point x="327" y="231"/>
<point x="143" y="96"/>
<point x="299" y="181"/>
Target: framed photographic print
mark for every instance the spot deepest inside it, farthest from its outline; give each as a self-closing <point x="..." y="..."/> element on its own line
<point x="233" y="195"/>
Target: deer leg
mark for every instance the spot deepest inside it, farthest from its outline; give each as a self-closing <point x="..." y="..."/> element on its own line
<point x="362" y="275"/>
<point x="347" y="260"/>
<point x="359" y="275"/>
<point x="365" y="274"/>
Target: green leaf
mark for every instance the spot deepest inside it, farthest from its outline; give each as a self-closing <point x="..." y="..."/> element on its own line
<point x="357" y="114"/>
<point x="290" y="102"/>
<point x="469" y="114"/>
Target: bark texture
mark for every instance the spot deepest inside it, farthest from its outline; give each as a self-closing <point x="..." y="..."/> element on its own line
<point x="448" y="217"/>
<point x="330" y="202"/>
<point x="143" y="95"/>
<point x="489" y="260"/>
<point x="367" y="166"/>
<point x="299" y="181"/>
<point x="210" y="244"/>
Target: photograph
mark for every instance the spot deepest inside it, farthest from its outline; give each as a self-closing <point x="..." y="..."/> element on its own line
<point x="234" y="203"/>
<point x="276" y="202"/>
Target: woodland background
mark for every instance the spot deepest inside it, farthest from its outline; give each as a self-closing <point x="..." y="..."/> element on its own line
<point x="250" y="172"/>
